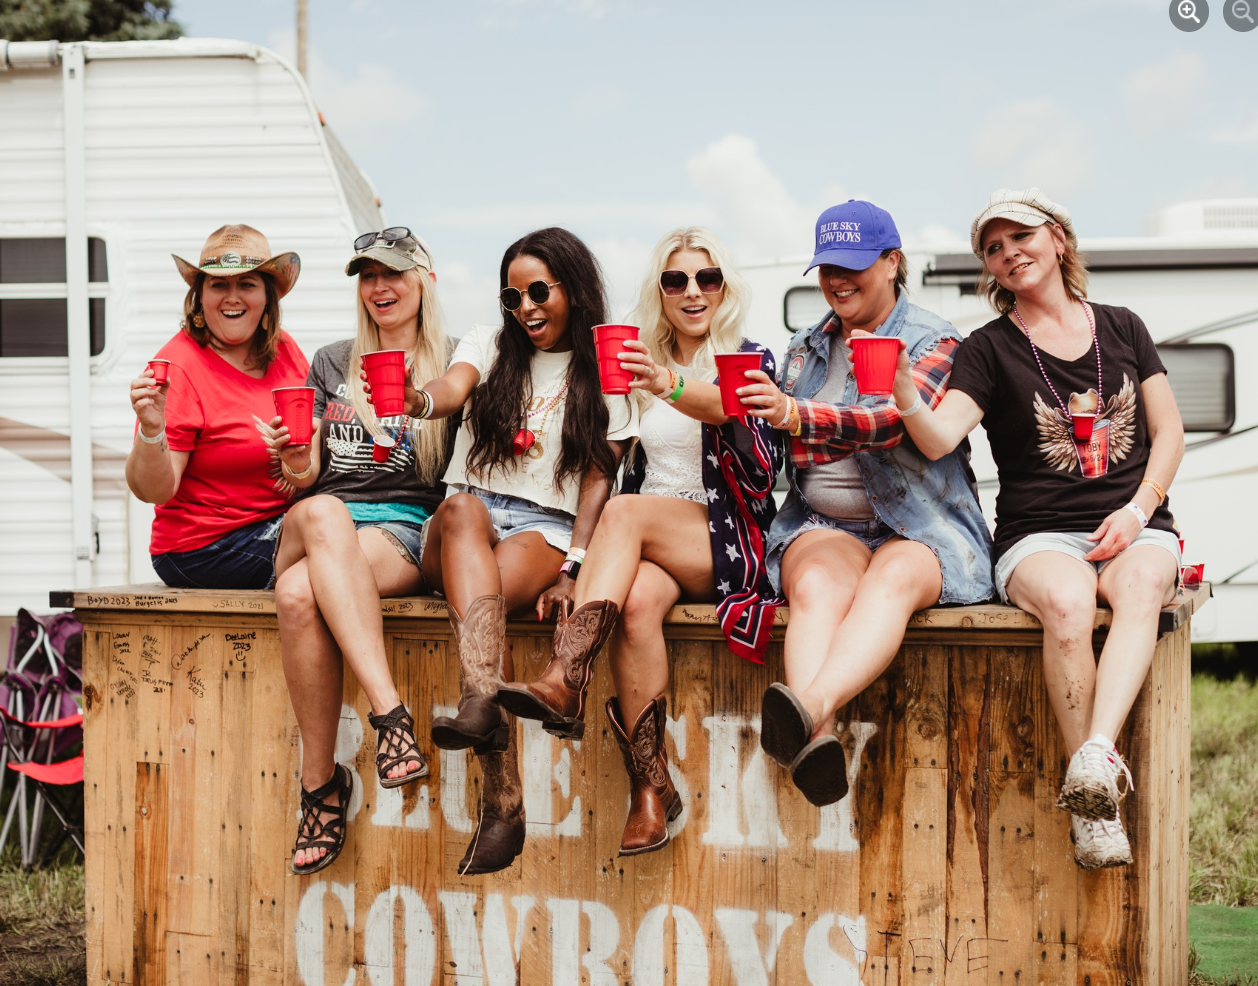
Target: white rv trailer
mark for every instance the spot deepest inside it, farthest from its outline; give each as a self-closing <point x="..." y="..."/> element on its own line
<point x="113" y="156"/>
<point x="1194" y="281"/>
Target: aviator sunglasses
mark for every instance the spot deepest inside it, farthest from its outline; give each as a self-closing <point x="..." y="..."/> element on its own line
<point x="539" y="293"/>
<point x="388" y="237"/>
<point x="675" y="282"/>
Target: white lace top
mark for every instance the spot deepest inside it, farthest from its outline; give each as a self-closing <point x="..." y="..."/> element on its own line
<point x="673" y="443"/>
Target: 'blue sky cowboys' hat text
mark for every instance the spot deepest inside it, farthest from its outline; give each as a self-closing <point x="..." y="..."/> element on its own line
<point x="853" y="235"/>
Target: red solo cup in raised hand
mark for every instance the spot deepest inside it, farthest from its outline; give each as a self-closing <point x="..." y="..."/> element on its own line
<point x="296" y="406"/>
<point x="1082" y="424"/>
<point x="873" y="361"/>
<point x="731" y="373"/>
<point x="386" y="372"/>
<point x="609" y="341"/>
<point x="161" y="371"/>
<point x="381" y="446"/>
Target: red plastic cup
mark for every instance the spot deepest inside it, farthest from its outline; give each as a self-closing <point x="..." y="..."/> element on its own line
<point x="381" y="446"/>
<point x="386" y="372"/>
<point x="731" y="373"/>
<point x="1192" y="575"/>
<point x="296" y="406"/>
<point x="161" y="371"/>
<point x="1181" y="547"/>
<point x="1082" y="424"/>
<point x="873" y="361"/>
<point x="609" y="342"/>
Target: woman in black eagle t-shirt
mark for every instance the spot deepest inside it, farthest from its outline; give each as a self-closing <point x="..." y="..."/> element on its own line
<point x="1086" y="437"/>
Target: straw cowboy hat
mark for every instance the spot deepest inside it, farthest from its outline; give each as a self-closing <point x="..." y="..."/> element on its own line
<point x="233" y="250"/>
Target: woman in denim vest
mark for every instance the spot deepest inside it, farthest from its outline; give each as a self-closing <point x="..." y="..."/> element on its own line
<point x="1087" y="437"/>
<point x="872" y="530"/>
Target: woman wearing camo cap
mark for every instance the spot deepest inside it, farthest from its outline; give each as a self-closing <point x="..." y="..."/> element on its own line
<point x="354" y="536"/>
<point x="1087" y="437"/>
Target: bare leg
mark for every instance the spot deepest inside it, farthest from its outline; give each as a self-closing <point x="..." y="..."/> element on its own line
<point x="1136" y="585"/>
<point x="639" y="658"/>
<point x="459" y="555"/>
<point x="666" y="530"/>
<point x="820" y="573"/>
<point x="1060" y="591"/>
<point x="903" y="576"/>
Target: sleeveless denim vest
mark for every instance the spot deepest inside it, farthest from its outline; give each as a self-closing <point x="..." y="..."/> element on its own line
<point x="935" y="503"/>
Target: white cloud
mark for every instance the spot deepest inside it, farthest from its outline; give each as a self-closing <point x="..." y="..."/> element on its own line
<point x="1035" y="142"/>
<point x="573" y="212"/>
<point x="749" y="201"/>
<point x="622" y="260"/>
<point x="467" y="298"/>
<point x="1245" y="132"/>
<point x="1164" y="93"/>
<point x="358" y="107"/>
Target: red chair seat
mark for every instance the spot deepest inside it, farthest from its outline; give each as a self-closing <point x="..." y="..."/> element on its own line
<point x="63" y="773"/>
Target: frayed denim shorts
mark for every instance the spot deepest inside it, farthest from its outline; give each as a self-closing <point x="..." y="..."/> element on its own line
<point x="240" y="559"/>
<point x="1076" y="545"/>
<point x="873" y="533"/>
<point x="513" y="515"/>
<point x="406" y="536"/>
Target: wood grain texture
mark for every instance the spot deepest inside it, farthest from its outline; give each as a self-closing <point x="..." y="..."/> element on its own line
<point x="946" y="863"/>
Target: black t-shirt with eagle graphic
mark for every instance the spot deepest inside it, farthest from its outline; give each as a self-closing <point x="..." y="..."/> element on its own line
<point x="1048" y="480"/>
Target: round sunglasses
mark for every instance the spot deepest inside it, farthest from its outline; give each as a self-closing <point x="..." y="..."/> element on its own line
<point x="674" y="282"/>
<point x="539" y="293"/>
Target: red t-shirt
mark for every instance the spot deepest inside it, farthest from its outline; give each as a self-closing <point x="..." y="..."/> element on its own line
<point x="230" y="479"/>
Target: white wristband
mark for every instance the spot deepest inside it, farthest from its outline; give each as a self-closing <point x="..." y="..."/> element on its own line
<point x="155" y="439"/>
<point x="1134" y="507"/>
<point x="786" y="420"/>
<point x="913" y="408"/>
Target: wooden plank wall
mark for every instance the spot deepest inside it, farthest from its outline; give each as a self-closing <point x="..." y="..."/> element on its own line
<point x="946" y="864"/>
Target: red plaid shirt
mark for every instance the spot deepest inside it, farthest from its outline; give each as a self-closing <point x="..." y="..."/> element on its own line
<point x="830" y="432"/>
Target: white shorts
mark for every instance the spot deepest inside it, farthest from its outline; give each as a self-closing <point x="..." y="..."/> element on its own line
<point x="1077" y="546"/>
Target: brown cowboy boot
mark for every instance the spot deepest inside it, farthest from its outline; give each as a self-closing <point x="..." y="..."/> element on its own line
<point x="499" y="835"/>
<point x="653" y="801"/>
<point x="558" y="696"/>
<point x="480" y="638"/>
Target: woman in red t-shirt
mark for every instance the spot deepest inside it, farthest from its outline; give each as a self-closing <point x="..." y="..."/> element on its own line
<point x="198" y="451"/>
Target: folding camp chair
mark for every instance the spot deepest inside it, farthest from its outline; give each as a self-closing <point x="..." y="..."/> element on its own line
<point x="42" y="683"/>
<point x="47" y="777"/>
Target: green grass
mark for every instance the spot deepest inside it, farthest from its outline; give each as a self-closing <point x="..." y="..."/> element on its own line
<point x="1226" y="942"/>
<point x="41" y="922"/>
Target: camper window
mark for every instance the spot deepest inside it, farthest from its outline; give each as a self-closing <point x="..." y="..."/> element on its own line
<point x="1203" y="378"/>
<point x="803" y="307"/>
<point x="33" y="296"/>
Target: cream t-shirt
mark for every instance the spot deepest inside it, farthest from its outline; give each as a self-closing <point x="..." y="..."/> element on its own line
<point x="531" y="476"/>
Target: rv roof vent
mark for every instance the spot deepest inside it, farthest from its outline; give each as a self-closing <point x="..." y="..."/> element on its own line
<point x="29" y="54"/>
<point x="1209" y="216"/>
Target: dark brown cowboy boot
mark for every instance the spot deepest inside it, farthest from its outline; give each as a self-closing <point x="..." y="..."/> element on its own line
<point x="653" y="801"/>
<point x="499" y="835"/>
<point x="558" y="696"/>
<point x="480" y="639"/>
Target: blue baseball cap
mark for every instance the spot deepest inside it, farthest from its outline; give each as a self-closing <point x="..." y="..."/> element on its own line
<point x="853" y="235"/>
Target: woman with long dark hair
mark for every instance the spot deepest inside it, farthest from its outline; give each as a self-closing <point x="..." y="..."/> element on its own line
<point x="531" y="469"/>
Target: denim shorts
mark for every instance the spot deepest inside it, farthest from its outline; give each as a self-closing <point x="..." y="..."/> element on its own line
<point x="513" y="515"/>
<point x="1076" y="545"/>
<point x="240" y="559"/>
<point x="872" y="533"/>
<point x="404" y="535"/>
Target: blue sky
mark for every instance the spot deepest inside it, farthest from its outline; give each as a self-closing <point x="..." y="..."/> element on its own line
<point x="478" y="120"/>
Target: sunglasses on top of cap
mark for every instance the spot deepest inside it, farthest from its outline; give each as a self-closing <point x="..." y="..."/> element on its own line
<point x="674" y="282"/>
<point x="539" y="293"/>
<point x="390" y="236"/>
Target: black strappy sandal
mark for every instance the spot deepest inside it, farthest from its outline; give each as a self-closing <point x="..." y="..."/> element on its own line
<point x="400" y="747"/>
<point x="312" y="831"/>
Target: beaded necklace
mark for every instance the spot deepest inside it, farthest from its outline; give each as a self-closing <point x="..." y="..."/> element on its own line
<point x="1095" y="345"/>
<point x="525" y="439"/>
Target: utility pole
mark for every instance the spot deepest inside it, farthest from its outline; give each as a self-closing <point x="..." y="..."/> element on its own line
<point x="301" y="37"/>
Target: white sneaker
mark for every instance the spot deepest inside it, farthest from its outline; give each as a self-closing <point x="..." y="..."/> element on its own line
<point x="1092" y="789"/>
<point x="1099" y="844"/>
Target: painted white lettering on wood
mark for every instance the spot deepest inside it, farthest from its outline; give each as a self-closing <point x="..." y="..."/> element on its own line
<point x="567" y="956"/>
<point x="836" y="833"/>
<point x="738" y="928"/>
<point x="311" y="920"/>
<point x="823" y="963"/>
<point x="542" y="774"/>
<point x="743" y="809"/>
<point x="419" y="939"/>
<point x="690" y="961"/>
<point x="486" y="957"/>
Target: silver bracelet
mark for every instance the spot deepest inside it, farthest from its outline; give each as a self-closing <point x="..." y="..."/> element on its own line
<point x="155" y="439"/>
<point x="913" y="408"/>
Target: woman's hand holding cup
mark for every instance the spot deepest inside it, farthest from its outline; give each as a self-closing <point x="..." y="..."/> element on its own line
<point x="769" y="402"/>
<point x="648" y="375"/>
<point x="148" y="401"/>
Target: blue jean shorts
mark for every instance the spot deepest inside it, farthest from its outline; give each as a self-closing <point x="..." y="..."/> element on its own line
<point x="1076" y="545"/>
<point x="873" y="533"/>
<point x="240" y="559"/>
<point x="513" y="515"/>
<point x="404" y="535"/>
